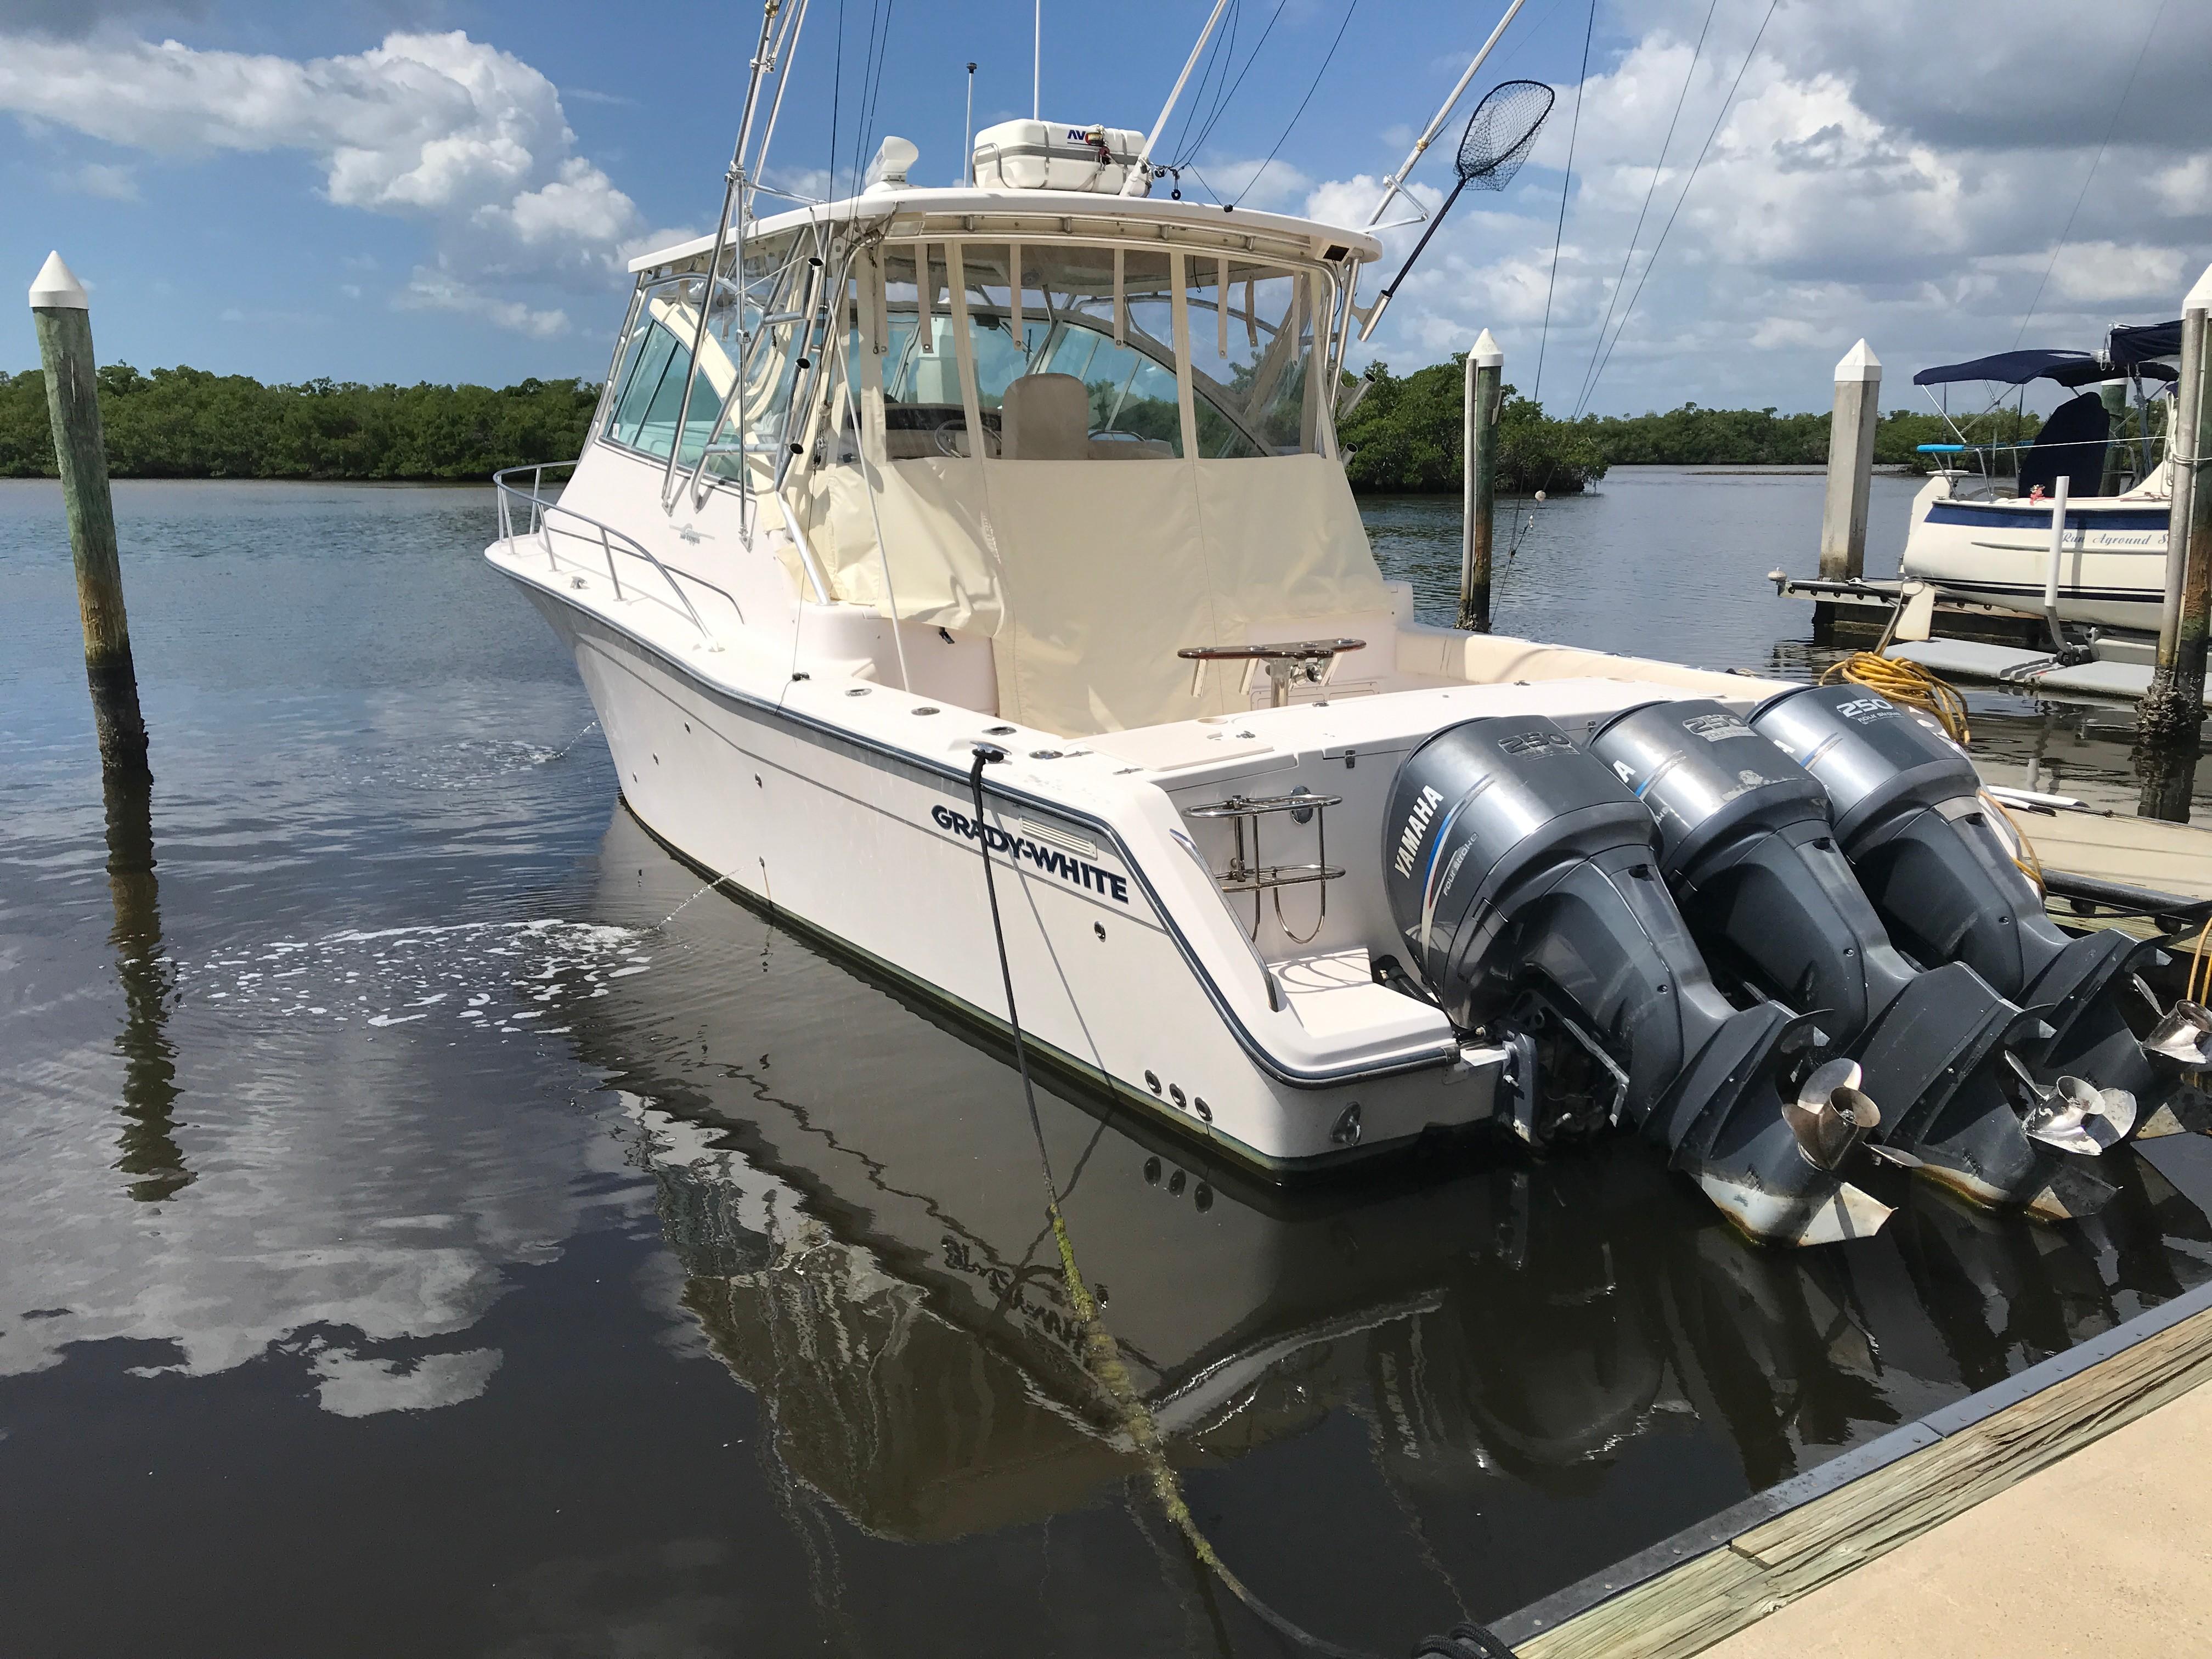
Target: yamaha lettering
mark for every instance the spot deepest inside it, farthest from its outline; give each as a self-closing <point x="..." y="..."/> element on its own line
<point x="1050" y="860"/>
<point x="1417" y="827"/>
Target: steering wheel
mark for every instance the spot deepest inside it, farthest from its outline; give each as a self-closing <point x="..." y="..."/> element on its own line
<point x="946" y="435"/>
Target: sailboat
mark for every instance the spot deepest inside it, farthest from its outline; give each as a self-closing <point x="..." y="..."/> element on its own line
<point x="1978" y="534"/>
<point x="969" y="574"/>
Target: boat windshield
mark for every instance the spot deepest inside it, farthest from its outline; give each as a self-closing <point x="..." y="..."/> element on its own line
<point x="1073" y="347"/>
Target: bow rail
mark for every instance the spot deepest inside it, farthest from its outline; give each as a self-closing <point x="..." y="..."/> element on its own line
<point x="528" y="514"/>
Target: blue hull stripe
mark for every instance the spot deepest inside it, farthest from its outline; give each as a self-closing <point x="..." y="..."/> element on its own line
<point x="2012" y="518"/>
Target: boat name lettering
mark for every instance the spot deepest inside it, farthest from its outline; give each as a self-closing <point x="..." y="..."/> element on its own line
<point x="1007" y="1291"/>
<point x="1417" y="827"/>
<point x="1050" y="860"/>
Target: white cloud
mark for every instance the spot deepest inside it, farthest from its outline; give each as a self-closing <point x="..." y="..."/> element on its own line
<point x="437" y="128"/>
<point x="1827" y="207"/>
<point x="2105" y="272"/>
<point x="104" y="179"/>
<point x="431" y="290"/>
<point x="2186" y="186"/>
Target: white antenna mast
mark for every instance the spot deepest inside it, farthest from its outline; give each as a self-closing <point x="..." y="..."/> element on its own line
<point x="1140" y="174"/>
<point x="1395" y="183"/>
<point x="1036" y="67"/>
<point x="967" y="138"/>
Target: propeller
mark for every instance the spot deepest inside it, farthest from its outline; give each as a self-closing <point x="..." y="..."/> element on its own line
<point x="2075" y="1114"/>
<point x="2184" y="1035"/>
<point x="1831" y="1115"/>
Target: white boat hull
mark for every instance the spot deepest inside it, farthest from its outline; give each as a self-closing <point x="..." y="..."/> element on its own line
<point x="868" y="848"/>
<point x="2112" y="566"/>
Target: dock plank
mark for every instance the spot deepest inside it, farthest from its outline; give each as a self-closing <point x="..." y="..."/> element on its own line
<point x="1689" y="1608"/>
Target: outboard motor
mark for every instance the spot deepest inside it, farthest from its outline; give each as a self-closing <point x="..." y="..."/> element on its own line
<point x="1747" y="852"/>
<point x="1906" y="805"/>
<point x="1525" y="876"/>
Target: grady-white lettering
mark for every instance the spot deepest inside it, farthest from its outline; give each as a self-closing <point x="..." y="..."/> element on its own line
<point x="1050" y="860"/>
<point x="1417" y="827"/>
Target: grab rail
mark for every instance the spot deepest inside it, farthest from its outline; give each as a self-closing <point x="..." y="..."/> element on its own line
<point x="541" y="514"/>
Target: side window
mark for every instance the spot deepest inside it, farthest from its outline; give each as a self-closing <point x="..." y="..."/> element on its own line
<point x="651" y="396"/>
<point x="1251" y="351"/>
<point x="648" y="360"/>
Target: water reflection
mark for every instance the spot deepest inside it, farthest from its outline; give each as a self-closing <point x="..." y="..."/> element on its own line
<point x="148" y="1146"/>
<point x="861" y="1233"/>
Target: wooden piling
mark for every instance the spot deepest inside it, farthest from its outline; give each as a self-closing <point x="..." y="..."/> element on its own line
<point x="63" y="321"/>
<point x="2172" y="710"/>
<point x="1851" y="465"/>
<point x="1485" y="376"/>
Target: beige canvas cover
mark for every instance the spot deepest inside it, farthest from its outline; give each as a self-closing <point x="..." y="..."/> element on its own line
<point x="1088" y="574"/>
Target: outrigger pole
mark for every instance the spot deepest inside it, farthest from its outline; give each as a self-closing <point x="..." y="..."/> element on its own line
<point x="1141" y="173"/>
<point x="734" y="195"/>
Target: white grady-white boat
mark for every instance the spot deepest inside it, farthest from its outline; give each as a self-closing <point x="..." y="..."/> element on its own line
<point x="1977" y="537"/>
<point x="936" y="527"/>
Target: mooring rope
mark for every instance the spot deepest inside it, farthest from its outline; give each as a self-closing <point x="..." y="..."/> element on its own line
<point x="1102" y="1355"/>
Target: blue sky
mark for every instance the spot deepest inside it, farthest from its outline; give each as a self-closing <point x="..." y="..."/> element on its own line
<point x="411" y="188"/>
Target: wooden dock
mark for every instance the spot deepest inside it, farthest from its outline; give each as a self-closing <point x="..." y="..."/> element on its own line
<point x="1696" y="1590"/>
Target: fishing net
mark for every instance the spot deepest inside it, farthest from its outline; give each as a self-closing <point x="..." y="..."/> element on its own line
<point x="1499" y="136"/>
<point x="1501" y="132"/>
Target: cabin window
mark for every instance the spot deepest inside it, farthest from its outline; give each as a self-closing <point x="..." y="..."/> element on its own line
<point x="776" y="277"/>
<point x="649" y="390"/>
<point x="1251" y="357"/>
<point x="651" y="395"/>
<point x="1102" y="318"/>
<point x="923" y="414"/>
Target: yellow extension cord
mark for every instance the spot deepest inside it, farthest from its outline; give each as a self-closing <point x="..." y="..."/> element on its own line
<point x="1907" y="683"/>
<point x="1913" y="686"/>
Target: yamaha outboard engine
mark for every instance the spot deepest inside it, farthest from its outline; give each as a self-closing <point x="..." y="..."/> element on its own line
<point x="1906" y="805"/>
<point x="1525" y="876"/>
<point x="1747" y="851"/>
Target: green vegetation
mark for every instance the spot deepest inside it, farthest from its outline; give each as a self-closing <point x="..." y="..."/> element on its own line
<point x="1691" y="436"/>
<point x="188" y="423"/>
<point x="1406" y="433"/>
<point x="1403" y="437"/>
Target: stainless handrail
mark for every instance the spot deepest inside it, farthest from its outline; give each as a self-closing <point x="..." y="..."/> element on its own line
<point x="540" y="529"/>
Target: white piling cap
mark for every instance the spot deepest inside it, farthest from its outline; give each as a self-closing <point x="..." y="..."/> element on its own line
<point x="56" y="288"/>
<point x="1487" y="353"/>
<point x="2200" y="297"/>
<point x="1859" y="364"/>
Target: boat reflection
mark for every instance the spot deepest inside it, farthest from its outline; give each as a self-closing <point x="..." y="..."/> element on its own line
<point x="1553" y="1364"/>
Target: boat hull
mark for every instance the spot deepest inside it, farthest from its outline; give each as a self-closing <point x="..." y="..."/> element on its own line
<point x="2111" y="569"/>
<point x="872" y="852"/>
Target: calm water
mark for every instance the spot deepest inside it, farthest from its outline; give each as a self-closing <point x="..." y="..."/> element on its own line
<point x="413" y="1240"/>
